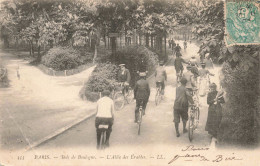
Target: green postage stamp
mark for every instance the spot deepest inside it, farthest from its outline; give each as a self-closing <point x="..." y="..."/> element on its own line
<point x="242" y="22"/>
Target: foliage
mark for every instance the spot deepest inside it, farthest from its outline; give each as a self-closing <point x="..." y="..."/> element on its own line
<point x="4" y="81"/>
<point x="62" y="58"/>
<point x="103" y="77"/>
<point x="239" y="111"/>
<point x="131" y="56"/>
<point x="208" y="27"/>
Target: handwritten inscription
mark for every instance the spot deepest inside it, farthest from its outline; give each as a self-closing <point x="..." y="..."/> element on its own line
<point x="190" y="157"/>
<point x="193" y="148"/>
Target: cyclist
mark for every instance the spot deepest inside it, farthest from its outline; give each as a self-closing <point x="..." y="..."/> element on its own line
<point x="178" y="65"/>
<point x="181" y="105"/>
<point x="124" y="77"/>
<point x="141" y="93"/>
<point x="194" y="68"/>
<point x="104" y="115"/>
<point x="185" y="44"/>
<point x="203" y="73"/>
<point x="178" y="50"/>
<point x="160" y="76"/>
<point x="188" y="75"/>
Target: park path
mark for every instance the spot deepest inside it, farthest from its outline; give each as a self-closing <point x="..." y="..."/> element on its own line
<point x="157" y="133"/>
<point x="37" y="104"/>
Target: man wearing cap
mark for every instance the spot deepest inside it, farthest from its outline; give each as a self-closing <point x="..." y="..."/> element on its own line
<point x="160" y="76"/>
<point x="141" y="93"/>
<point x="104" y="115"/>
<point x="124" y="77"/>
<point x="181" y="104"/>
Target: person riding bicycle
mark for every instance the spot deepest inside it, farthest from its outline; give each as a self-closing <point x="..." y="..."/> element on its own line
<point x="188" y="75"/>
<point x="181" y="105"/>
<point x="160" y="76"/>
<point x="178" y="65"/>
<point x="185" y="44"/>
<point x="178" y="50"/>
<point x="124" y="77"/>
<point x="203" y="73"/>
<point x="194" y="67"/>
<point x="141" y="94"/>
<point x="104" y="116"/>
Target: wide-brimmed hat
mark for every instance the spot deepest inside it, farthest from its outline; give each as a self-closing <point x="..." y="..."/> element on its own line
<point x="122" y="64"/>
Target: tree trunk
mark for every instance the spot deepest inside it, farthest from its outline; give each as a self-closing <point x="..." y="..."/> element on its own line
<point x="152" y="41"/>
<point x="126" y="42"/>
<point x="147" y="40"/>
<point x="105" y="41"/>
<point x="165" y="44"/>
<point x="39" y="54"/>
<point x="113" y="46"/>
<point x="140" y="39"/>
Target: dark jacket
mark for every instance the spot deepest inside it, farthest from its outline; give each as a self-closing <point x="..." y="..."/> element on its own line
<point x="142" y="90"/>
<point x="142" y="65"/>
<point x="124" y="76"/>
<point x="178" y="63"/>
<point x="182" y="98"/>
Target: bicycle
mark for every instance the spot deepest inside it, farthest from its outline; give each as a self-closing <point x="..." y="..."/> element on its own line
<point x="140" y="115"/>
<point x="103" y="129"/>
<point x="158" y="96"/>
<point x="179" y="76"/>
<point x="121" y="96"/>
<point x="194" y="115"/>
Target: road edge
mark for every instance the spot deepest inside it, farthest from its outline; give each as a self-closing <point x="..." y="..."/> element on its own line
<point x="58" y="132"/>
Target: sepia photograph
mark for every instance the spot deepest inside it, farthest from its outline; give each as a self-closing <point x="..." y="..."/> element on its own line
<point x="129" y="82"/>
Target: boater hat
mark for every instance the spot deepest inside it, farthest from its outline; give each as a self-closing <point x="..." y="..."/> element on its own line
<point x="142" y="74"/>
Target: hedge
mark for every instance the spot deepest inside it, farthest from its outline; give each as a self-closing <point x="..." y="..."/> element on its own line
<point x="238" y="122"/>
<point x="62" y="58"/>
<point x="105" y="74"/>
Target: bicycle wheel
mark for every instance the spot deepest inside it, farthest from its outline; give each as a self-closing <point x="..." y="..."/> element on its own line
<point x="119" y="100"/>
<point x="102" y="140"/>
<point x="157" y="97"/>
<point x="191" y="125"/>
<point x="140" y="115"/>
<point x="197" y="117"/>
<point x="130" y="96"/>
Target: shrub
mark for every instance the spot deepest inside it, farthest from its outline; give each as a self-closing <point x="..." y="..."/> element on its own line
<point x="103" y="77"/>
<point x="4" y="81"/>
<point x="238" y="121"/>
<point x="62" y="58"/>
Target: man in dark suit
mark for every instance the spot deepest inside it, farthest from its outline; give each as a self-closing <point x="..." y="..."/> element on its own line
<point x="141" y="94"/>
<point x="181" y="105"/>
<point x="124" y="77"/>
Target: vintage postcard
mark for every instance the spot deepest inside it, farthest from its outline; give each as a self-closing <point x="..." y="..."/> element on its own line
<point x="129" y="82"/>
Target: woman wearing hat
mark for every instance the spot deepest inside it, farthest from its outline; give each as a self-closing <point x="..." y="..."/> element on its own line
<point x="214" y="100"/>
<point x="204" y="80"/>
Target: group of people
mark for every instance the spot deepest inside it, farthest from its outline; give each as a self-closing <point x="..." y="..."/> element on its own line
<point x="184" y="93"/>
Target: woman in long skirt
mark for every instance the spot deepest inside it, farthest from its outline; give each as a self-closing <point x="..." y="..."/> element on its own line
<point x="214" y="100"/>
